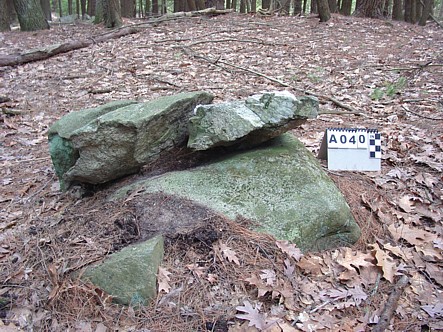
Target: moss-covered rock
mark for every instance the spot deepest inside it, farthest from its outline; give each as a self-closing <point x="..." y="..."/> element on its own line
<point x="280" y="185"/>
<point x="251" y="122"/>
<point x="130" y="275"/>
<point x="105" y="143"/>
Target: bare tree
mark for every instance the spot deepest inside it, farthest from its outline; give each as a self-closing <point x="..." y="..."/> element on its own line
<point x="370" y="8"/>
<point x="112" y="13"/>
<point x="397" y="10"/>
<point x="30" y="15"/>
<point x="4" y="16"/>
<point x="323" y="10"/>
<point x="426" y="12"/>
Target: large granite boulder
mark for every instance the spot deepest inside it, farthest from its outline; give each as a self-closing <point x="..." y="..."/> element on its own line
<point x="250" y="122"/>
<point x="279" y="185"/>
<point x="130" y="275"/>
<point x="108" y="142"/>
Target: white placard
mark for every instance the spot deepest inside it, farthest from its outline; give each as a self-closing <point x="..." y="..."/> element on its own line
<point x="352" y="149"/>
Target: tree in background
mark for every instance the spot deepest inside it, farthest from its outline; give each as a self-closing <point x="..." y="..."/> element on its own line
<point x="4" y="16"/>
<point x="323" y="10"/>
<point x="128" y="8"/>
<point x="30" y="15"/>
<point x="427" y="9"/>
<point x="397" y="10"/>
<point x="369" y="8"/>
<point x="346" y="7"/>
<point x="112" y="13"/>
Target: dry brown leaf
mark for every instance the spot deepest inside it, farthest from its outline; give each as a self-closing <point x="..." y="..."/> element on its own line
<point x="311" y="264"/>
<point x="269" y="276"/>
<point x="229" y="254"/>
<point x="402" y="252"/>
<point x="413" y="235"/>
<point x="163" y="280"/>
<point x="262" y="288"/>
<point x="252" y="315"/>
<point x="290" y="249"/>
<point x="406" y="203"/>
<point x="351" y="259"/>
<point x="386" y="263"/>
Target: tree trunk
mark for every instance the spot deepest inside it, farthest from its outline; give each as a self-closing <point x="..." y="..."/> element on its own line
<point x="200" y="4"/>
<point x="253" y="6"/>
<point x="370" y="8"/>
<point x="425" y="12"/>
<point x="332" y="6"/>
<point x="346" y="7"/>
<point x="305" y="5"/>
<point x="265" y="4"/>
<point x="46" y="8"/>
<point x="69" y="7"/>
<point x="83" y="8"/>
<point x="418" y="10"/>
<point x="234" y="5"/>
<point x="191" y="6"/>
<point x="314" y="7"/>
<point x="128" y="8"/>
<point x="410" y="11"/>
<point x="323" y="10"/>
<point x="228" y="4"/>
<point x="112" y="13"/>
<point x="4" y="16"/>
<point x="397" y="10"/>
<point x="30" y="15"/>
<point x="91" y="7"/>
<point x="440" y="15"/>
<point x="298" y="7"/>
<point x="242" y="6"/>
<point x="155" y="7"/>
<point x="386" y="8"/>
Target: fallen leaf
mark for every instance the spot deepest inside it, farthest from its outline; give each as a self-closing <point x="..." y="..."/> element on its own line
<point x="269" y="276"/>
<point x="434" y="310"/>
<point x="163" y="280"/>
<point x="386" y="263"/>
<point x="262" y="288"/>
<point x="252" y="315"/>
<point x="290" y="249"/>
<point x="311" y="264"/>
<point x="413" y="235"/>
<point x="406" y="203"/>
<point x="229" y="254"/>
<point x="351" y="259"/>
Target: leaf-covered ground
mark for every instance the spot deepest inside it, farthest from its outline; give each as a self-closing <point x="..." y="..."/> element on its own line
<point x="223" y="277"/>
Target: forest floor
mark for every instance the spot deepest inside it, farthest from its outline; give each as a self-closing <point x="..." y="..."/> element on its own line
<point x="391" y="72"/>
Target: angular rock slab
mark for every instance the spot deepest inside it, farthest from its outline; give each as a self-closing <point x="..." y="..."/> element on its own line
<point x="279" y="185"/>
<point x="251" y="122"/>
<point x="103" y="144"/>
<point x="130" y="275"/>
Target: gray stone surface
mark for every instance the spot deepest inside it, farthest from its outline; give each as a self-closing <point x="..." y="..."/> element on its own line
<point x="130" y="275"/>
<point x="280" y="185"/>
<point x="108" y="142"/>
<point x="250" y="122"/>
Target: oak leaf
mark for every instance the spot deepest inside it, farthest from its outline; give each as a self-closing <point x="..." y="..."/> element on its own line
<point x="163" y="280"/>
<point x="252" y="315"/>
<point x="269" y="276"/>
<point x="413" y="235"/>
<point x="290" y="249"/>
<point x="229" y="254"/>
<point x="386" y="263"/>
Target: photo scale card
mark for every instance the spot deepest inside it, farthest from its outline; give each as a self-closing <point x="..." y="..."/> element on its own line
<point x="351" y="149"/>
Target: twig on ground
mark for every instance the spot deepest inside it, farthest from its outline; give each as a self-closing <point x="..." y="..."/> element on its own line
<point x="216" y="62"/>
<point x="391" y="305"/>
<point x="420" y="115"/>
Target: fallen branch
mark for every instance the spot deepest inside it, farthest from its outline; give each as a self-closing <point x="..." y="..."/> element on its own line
<point x="217" y="63"/>
<point x="49" y="51"/>
<point x="391" y="305"/>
